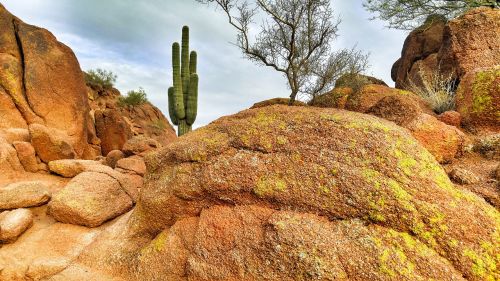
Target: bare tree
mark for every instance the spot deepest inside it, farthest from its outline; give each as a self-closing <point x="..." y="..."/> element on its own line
<point x="295" y="39"/>
<point x="408" y="14"/>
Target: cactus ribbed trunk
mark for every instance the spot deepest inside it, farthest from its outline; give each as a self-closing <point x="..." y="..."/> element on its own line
<point x="183" y="96"/>
<point x="184" y="128"/>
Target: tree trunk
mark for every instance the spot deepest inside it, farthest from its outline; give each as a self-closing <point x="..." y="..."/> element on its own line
<point x="293" y="95"/>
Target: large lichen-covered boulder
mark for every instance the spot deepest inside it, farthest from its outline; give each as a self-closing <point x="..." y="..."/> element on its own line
<point x="37" y="72"/>
<point x="322" y="193"/>
<point x="478" y="98"/>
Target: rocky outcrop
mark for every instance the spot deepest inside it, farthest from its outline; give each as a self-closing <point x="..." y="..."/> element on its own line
<point x="405" y="109"/>
<point x="143" y="120"/>
<point x="24" y="195"/>
<point x="282" y="190"/>
<point x="37" y="73"/>
<point x="14" y="223"/>
<point x="478" y="98"/>
<point x="449" y="48"/>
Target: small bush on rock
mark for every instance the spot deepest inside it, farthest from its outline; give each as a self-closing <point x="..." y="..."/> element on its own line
<point x="100" y="78"/>
<point x="133" y="98"/>
<point x="437" y="89"/>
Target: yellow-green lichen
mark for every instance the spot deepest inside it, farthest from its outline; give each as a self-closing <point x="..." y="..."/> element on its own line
<point x="482" y="100"/>
<point x="269" y="185"/>
<point x="483" y="264"/>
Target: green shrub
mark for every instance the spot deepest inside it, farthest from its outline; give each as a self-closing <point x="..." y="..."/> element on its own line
<point x="100" y="78"/>
<point x="355" y="81"/>
<point x="133" y="98"/>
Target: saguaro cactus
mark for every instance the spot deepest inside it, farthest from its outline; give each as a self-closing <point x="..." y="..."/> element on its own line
<point x="183" y="96"/>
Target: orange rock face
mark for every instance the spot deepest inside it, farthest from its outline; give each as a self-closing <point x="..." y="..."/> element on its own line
<point x="112" y="130"/>
<point x="454" y="48"/>
<point x="471" y="41"/>
<point x="38" y="72"/>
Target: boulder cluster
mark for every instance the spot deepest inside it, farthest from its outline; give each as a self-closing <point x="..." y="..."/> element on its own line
<point x="365" y="182"/>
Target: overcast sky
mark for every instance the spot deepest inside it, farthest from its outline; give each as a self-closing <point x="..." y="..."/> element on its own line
<point x="133" y="39"/>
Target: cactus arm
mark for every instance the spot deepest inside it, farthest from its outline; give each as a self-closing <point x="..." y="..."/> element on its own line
<point x="179" y="109"/>
<point x="192" y="100"/>
<point x="171" y="110"/>
<point x="185" y="59"/>
<point x="193" y="61"/>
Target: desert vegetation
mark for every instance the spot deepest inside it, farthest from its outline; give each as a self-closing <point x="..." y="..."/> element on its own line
<point x="133" y="98"/>
<point x="183" y="96"/>
<point x="100" y="78"/>
<point x="295" y="39"/>
<point x="409" y="14"/>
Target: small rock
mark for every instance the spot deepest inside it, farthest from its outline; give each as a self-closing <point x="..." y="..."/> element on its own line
<point x="24" y="195"/>
<point x="90" y="199"/>
<point x="69" y="168"/>
<point x="462" y="176"/>
<point x="26" y="154"/>
<point x="113" y="157"/>
<point x="14" y="223"/>
<point x="451" y="118"/>
<point x="139" y="145"/>
<point x="133" y="165"/>
<point x="497" y="173"/>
